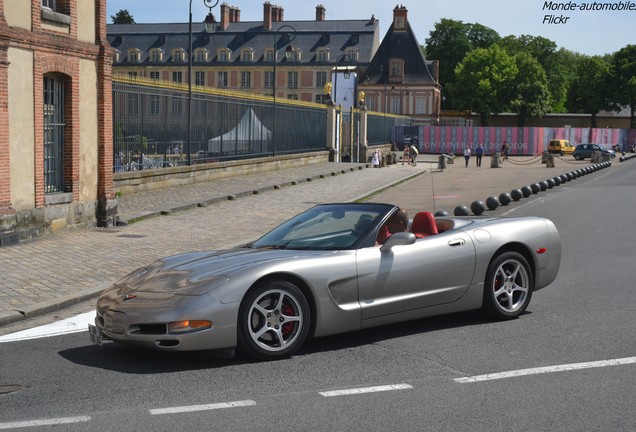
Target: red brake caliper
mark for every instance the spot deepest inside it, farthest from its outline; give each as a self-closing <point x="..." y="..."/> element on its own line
<point x="287" y="310"/>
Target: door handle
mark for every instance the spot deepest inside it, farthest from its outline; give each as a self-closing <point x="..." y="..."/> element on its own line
<point x="457" y="242"/>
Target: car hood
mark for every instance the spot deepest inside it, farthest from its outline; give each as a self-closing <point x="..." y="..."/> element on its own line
<point x="198" y="273"/>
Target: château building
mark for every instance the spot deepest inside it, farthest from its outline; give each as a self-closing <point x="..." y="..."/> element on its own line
<point x="55" y="117"/>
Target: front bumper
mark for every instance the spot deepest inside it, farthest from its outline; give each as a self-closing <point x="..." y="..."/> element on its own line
<point x="143" y="321"/>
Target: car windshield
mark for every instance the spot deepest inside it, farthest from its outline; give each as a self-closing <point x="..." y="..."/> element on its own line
<point x="326" y="227"/>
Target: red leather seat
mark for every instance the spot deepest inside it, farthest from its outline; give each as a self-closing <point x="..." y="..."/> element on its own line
<point x="423" y="225"/>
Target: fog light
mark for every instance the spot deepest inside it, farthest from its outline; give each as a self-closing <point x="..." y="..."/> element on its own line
<point x="188" y="326"/>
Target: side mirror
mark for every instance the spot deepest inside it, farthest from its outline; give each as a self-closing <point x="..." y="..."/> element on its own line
<point x="398" y="239"/>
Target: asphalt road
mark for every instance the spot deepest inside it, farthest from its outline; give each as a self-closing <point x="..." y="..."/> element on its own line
<point x="407" y="377"/>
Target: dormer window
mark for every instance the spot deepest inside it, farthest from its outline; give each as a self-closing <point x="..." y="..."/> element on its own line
<point x="247" y="55"/>
<point x="178" y="55"/>
<point x="295" y="55"/>
<point x="269" y="55"/>
<point x="396" y="70"/>
<point x="352" y="55"/>
<point x="201" y="55"/>
<point x="134" y="55"/>
<point x="223" y="55"/>
<point x="322" y="55"/>
<point x="156" y="55"/>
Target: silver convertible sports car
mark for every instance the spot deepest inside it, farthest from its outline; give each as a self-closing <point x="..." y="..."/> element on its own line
<point x="326" y="271"/>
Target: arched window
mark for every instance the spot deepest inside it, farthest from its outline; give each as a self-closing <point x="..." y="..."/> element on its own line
<point x="269" y="55"/>
<point x="223" y="55"/>
<point x="134" y="55"/>
<point x="296" y="53"/>
<point x="322" y="55"/>
<point x="156" y="55"/>
<point x="178" y="55"/>
<point x="352" y="54"/>
<point x="247" y="55"/>
<point x="54" y="126"/>
<point x="201" y="55"/>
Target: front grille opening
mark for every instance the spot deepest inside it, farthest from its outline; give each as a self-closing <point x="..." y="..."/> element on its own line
<point x="149" y="329"/>
<point x="167" y="343"/>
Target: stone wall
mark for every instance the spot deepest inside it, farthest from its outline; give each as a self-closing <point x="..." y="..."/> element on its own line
<point x="137" y="181"/>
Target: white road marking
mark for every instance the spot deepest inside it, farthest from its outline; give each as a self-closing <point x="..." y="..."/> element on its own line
<point x="546" y="369"/>
<point x="191" y="408"/>
<point x="76" y="324"/>
<point x="44" y="422"/>
<point x="365" y="390"/>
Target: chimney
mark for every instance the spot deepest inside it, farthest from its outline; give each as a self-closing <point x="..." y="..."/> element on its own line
<point x="225" y="16"/>
<point x="277" y="13"/>
<point x="237" y="15"/>
<point x="320" y="13"/>
<point x="267" y="16"/>
<point x="400" y="18"/>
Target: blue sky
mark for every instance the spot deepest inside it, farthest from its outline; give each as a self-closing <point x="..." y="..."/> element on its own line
<point x="586" y="32"/>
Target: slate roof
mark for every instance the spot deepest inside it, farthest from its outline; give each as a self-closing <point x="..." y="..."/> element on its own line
<point x="337" y="36"/>
<point x="404" y="45"/>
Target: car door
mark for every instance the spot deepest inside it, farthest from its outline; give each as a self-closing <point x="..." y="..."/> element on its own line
<point x="434" y="270"/>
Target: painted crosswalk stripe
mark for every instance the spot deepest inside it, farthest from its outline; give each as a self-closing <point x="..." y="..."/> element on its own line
<point x="355" y="391"/>
<point x="192" y="408"/>
<point x="44" y="422"/>
<point x="546" y="369"/>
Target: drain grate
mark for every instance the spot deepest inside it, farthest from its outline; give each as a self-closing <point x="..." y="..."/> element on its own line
<point x="10" y="388"/>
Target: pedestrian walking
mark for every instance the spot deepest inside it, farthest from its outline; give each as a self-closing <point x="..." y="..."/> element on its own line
<point x="375" y="160"/>
<point x="504" y="150"/>
<point x="479" y="152"/>
<point x="467" y="155"/>
<point x="406" y="155"/>
<point x="413" y="151"/>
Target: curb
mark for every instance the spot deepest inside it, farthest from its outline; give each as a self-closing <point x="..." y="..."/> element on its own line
<point x="7" y="318"/>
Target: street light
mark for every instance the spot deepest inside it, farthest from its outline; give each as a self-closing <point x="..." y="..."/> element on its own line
<point x="210" y="27"/>
<point x="289" y="55"/>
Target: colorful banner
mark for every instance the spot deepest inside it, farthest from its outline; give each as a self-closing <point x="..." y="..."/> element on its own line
<point x="521" y="141"/>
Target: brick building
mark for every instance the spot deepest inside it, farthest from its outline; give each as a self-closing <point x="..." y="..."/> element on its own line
<point x="55" y="117"/>
<point x="241" y="55"/>
<point x="399" y="79"/>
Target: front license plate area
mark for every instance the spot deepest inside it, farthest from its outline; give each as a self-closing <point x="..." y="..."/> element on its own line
<point x="95" y="334"/>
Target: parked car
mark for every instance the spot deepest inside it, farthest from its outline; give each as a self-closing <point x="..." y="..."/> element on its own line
<point x="323" y="272"/>
<point x="560" y="146"/>
<point x="584" y="151"/>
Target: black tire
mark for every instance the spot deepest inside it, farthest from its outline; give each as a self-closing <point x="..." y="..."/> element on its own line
<point x="578" y="157"/>
<point x="508" y="286"/>
<point x="273" y="321"/>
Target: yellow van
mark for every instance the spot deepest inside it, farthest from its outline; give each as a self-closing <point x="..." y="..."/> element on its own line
<point x="560" y="146"/>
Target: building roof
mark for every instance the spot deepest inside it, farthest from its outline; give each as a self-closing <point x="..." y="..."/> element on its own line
<point x="401" y="45"/>
<point x="308" y="36"/>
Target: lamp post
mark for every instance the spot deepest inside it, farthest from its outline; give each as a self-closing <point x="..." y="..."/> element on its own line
<point x="210" y="27"/>
<point x="289" y="53"/>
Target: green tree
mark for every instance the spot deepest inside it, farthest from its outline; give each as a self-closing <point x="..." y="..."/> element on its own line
<point x="530" y="93"/>
<point x="448" y="43"/>
<point x="484" y="81"/>
<point x="590" y="90"/>
<point x="481" y="36"/>
<point x="546" y="53"/>
<point x="624" y="77"/>
<point x="122" y="17"/>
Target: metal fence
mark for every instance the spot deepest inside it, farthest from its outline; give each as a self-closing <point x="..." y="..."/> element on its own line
<point x="381" y="127"/>
<point x="150" y="125"/>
